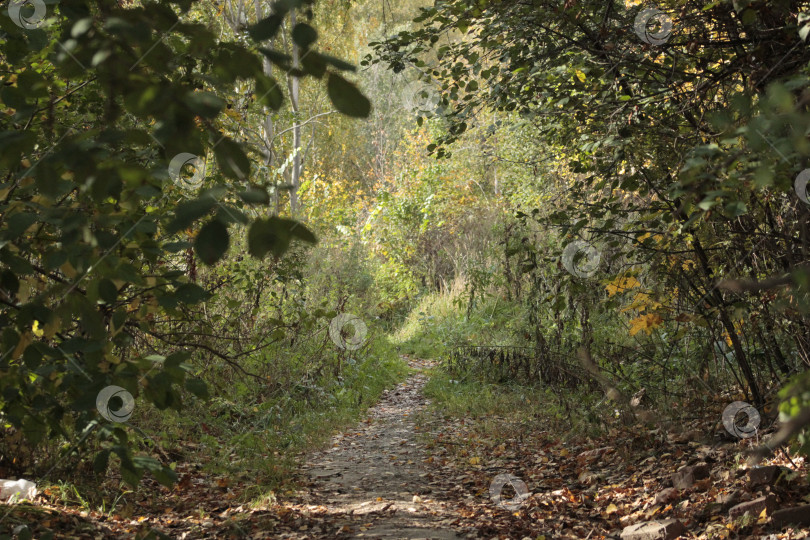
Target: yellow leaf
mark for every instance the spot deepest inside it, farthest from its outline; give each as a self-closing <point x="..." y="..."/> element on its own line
<point x="622" y="284"/>
<point x="641" y="302"/>
<point x="475" y="461"/>
<point x="580" y="75"/>
<point x="611" y="509"/>
<point x="37" y="330"/>
<point x="647" y="322"/>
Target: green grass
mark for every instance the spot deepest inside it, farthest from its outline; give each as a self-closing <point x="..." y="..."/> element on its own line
<point x="474" y="399"/>
<point x="481" y="400"/>
<point x="253" y="439"/>
<point x="441" y="321"/>
<point x="493" y="406"/>
<point x="256" y="436"/>
<point x="272" y="433"/>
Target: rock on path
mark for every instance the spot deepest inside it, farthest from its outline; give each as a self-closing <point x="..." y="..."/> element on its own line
<point x="373" y="481"/>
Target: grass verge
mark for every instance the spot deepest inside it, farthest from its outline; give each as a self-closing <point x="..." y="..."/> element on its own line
<point x="496" y="408"/>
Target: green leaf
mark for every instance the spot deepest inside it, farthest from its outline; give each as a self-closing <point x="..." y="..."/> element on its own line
<point x="131" y="475"/>
<point x="347" y="98"/>
<point x="337" y="62"/>
<point x="100" y="461"/>
<point x="34" y="83"/>
<point x="81" y="27"/>
<point x="212" y="242"/>
<point x="266" y="28"/>
<point x="304" y="35"/>
<point x="280" y="59"/>
<point x="204" y="104"/>
<point x="273" y="235"/>
<point x="302" y="233"/>
<point x="34" y="429"/>
<point x="174" y="247"/>
<point x="162" y="474"/>
<point x="145" y="99"/>
<point x="160" y="392"/>
<point x="268" y="92"/>
<point x="736" y="208"/>
<point x="13" y="144"/>
<point x="228" y="214"/>
<point x="313" y="64"/>
<point x="17" y="224"/>
<point x="232" y="160"/>
<point x="187" y="213"/>
<point x="255" y="195"/>
<point x="191" y="293"/>
<point x="265" y="236"/>
<point x="107" y="291"/>
<point x="9" y="282"/>
<point x="233" y="62"/>
<point x="174" y="367"/>
<point x="198" y="388"/>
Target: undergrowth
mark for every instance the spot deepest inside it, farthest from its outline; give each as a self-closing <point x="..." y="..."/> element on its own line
<point x="443" y="320"/>
<point x="248" y="429"/>
<point x="513" y="406"/>
<point x="246" y="434"/>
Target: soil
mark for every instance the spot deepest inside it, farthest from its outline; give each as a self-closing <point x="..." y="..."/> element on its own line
<point x="374" y="480"/>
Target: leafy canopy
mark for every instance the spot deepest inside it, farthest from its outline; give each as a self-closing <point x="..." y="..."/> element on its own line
<point x="115" y="159"/>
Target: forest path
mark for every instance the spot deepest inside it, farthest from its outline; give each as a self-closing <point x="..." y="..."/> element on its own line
<point x="372" y="480"/>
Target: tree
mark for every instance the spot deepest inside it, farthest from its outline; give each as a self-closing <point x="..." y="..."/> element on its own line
<point x="686" y="126"/>
<point x="112" y="113"/>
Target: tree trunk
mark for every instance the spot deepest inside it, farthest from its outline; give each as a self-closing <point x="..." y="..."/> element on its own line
<point x="269" y="126"/>
<point x="295" y="177"/>
<point x="717" y="301"/>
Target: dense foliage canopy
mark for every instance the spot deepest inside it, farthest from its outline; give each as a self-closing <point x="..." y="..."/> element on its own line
<point x="106" y="106"/>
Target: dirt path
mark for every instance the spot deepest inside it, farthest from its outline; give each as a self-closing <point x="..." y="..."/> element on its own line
<point x="373" y="481"/>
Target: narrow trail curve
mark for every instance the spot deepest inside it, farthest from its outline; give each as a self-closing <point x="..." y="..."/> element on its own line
<point x="373" y="480"/>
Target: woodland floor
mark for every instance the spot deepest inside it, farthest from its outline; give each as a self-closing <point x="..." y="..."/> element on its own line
<point x="374" y="481"/>
<point x="407" y="472"/>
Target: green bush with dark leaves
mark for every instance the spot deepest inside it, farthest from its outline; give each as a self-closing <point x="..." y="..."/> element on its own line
<point x="117" y="168"/>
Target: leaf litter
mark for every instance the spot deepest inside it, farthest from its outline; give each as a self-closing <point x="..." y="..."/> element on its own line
<point x="406" y="472"/>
